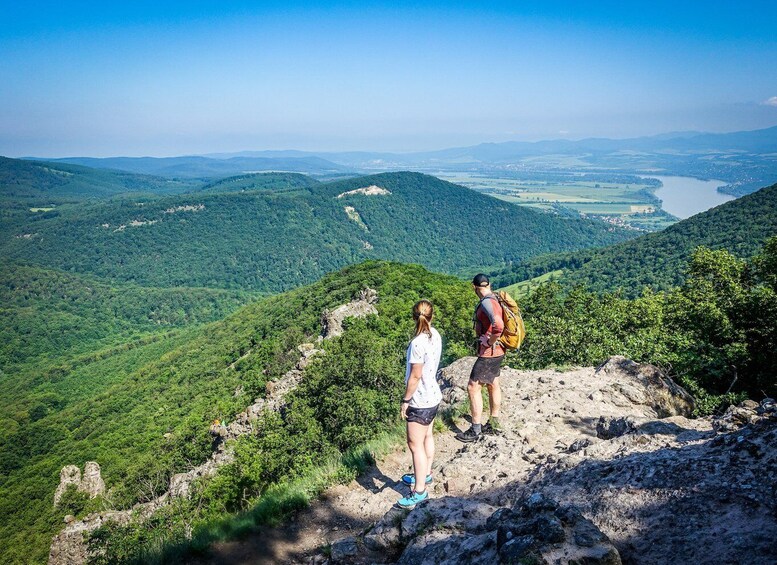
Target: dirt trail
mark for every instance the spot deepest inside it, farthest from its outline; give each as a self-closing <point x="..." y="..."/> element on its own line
<point x="547" y="415"/>
<point x="343" y="510"/>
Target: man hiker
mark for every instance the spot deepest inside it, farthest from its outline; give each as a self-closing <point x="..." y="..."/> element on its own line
<point x="488" y="328"/>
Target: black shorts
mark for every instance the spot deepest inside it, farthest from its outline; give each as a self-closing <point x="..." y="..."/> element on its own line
<point x="486" y="369"/>
<point x="423" y="416"/>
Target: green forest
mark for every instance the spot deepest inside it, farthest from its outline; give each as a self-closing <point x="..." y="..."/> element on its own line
<point x="42" y="183"/>
<point x="118" y="408"/>
<point x="275" y="182"/>
<point x="268" y="241"/>
<point x="48" y="314"/>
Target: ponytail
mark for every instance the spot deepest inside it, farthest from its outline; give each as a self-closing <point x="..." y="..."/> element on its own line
<point x="423" y="312"/>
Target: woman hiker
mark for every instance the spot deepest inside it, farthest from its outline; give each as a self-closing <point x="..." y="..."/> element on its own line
<point x="420" y="401"/>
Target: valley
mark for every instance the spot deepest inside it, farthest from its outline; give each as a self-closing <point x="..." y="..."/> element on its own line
<point x="225" y="228"/>
<point x="137" y="313"/>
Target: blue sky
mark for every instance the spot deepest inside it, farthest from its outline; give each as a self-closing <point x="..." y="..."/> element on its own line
<point x="169" y="78"/>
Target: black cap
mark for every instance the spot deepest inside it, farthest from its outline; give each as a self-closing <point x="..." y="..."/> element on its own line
<point x="481" y="280"/>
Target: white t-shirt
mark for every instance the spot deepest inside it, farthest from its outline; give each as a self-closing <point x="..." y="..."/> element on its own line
<point x="426" y="350"/>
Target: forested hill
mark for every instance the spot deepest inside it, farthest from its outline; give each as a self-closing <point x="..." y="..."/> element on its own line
<point x="52" y="315"/>
<point x="658" y="259"/>
<point x="42" y="182"/>
<point x="276" y="182"/>
<point x="143" y="411"/>
<point x="271" y="241"/>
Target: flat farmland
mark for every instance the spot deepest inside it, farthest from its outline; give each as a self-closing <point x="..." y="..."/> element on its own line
<point x="630" y="203"/>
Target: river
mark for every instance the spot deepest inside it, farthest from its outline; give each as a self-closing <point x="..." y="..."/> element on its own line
<point x="685" y="196"/>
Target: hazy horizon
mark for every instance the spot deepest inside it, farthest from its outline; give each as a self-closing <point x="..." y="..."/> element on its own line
<point x="88" y="79"/>
<point x="363" y="149"/>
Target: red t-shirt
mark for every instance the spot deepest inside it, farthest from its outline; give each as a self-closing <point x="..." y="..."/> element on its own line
<point x="488" y="322"/>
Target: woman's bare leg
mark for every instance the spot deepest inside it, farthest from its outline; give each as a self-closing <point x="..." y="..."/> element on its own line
<point x="416" y="440"/>
<point x="429" y="448"/>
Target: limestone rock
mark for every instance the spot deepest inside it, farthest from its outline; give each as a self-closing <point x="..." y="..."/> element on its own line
<point x="92" y="482"/>
<point x="68" y="546"/>
<point x="453" y="381"/>
<point x="748" y="412"/>
<point x="539" y="530"/>
<point x="652" y="388"/>
<point x="344" y="549"/>
<point x="69" y="475"/>
<point x="332" y="321"/>
<point x="609" y="427"/>
<point x="450" y="548"/>
<point x="385" y="536"/>
<point x="466" y="530"/>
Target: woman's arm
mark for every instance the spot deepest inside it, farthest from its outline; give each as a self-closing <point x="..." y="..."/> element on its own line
<point x="416" y="372"/>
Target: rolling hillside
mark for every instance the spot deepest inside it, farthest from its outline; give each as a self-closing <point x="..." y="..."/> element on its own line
<point x="41" y="183"/>
<point x="52" y="315"/>
<point x="275" y="182"/>
<point x="658" y="260"/>
<point x="143" y="410"/>
<point x="262" y="241"/>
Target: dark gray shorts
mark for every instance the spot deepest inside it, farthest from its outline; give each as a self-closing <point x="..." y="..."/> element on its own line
<point x="486" y="369"/>
<point x="423" y="416"/>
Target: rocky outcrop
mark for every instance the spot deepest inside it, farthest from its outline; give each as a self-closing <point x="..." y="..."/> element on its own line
<point x="539" y="530"/>
<point x="69" y="475"/>
<point x="748" y="412"/>
<point x="371" y="190"/>
<point x="91" y="482"/>
<point x="648" y="386"/>
<point x="665" y="493"/>
<point x="455" y="530"/>
<point x="332" y="320"/>
<point x="594" y="466"/>
<point x="68" y="547"/>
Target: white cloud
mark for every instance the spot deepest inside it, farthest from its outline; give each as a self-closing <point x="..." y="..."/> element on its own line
<point x="770" y="101"/>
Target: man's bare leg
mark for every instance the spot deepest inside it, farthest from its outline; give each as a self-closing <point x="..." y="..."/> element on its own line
<point x="475" y="401"/>
<point x="494" y="398"/>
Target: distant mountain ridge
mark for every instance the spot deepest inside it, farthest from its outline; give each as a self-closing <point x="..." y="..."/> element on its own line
<point x="757" y="141"/>
<point x="194" y="166"/>
<point x="746" y="160"/>
<point x="763" y="140"/>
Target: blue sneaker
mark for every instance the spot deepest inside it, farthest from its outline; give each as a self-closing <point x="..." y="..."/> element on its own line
<point x="413" y="499"/>
<point x="409" y="479"/>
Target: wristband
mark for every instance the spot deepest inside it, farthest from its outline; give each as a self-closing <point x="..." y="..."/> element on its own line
<point x="406" y="401"/>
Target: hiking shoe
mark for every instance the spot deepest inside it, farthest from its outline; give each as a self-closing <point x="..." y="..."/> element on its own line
<point x="413" y="499"/>
<point x="492" y="427"/>
<point x="409" y="479"/>
<point x="469" y="436"/>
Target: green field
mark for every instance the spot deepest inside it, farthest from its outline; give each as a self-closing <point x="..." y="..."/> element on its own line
<point x="632" y="204"/>
<point x="523" y="289"/>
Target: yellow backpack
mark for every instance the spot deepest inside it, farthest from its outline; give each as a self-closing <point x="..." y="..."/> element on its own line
<point x="515" y="330"/>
